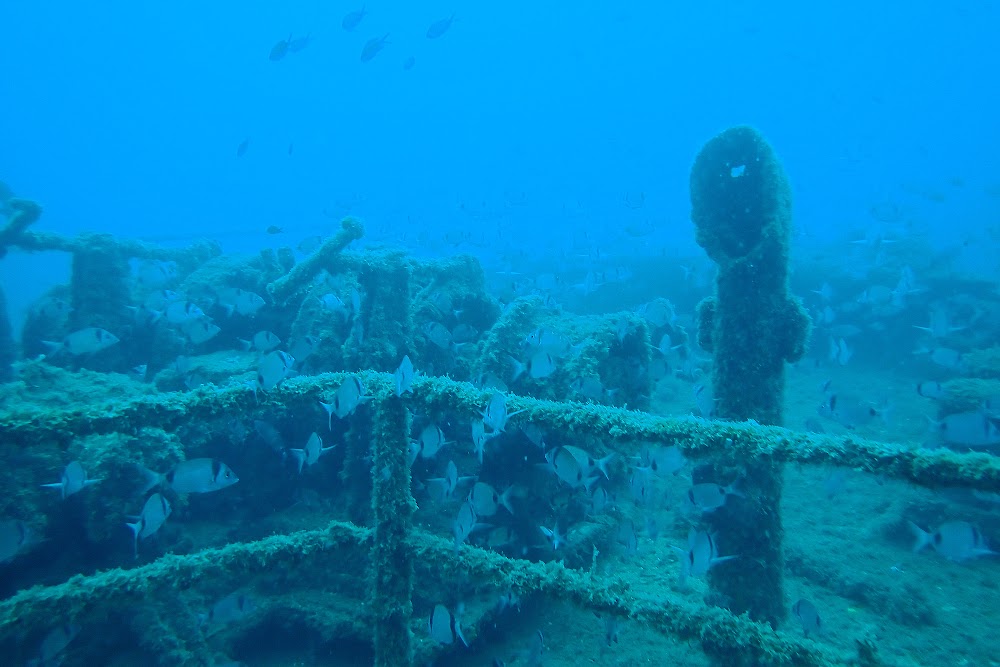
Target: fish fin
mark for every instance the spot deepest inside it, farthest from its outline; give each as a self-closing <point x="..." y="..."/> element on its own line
<point x="53" y="347"/>
<point x="57" y="485"/>
<point x="517" y="367"/>
<point x="330" y="410"/>
<point x="300" y="457"/>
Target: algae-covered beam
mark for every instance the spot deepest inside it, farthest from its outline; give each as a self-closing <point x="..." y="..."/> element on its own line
<point x="325" y="256"/>
<point x="392" y="507"/>
<point x="31" y="241"/>
<point x="108" y="591"/>
<point x="933" y="468"/>
<point x="718" y="632"/>
<point x="24" y="213"/>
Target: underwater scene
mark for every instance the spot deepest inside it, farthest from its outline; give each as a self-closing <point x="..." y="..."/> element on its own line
<point x="519" y="334"/>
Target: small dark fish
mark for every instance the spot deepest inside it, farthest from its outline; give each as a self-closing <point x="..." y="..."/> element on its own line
<point x="280" y="50"/>
<point x="274" y="229"/>
<point x="296" y="45"/>
<point x="409" y="63"/>
<point x="352" y="19"/>
<point x="438" y="28"/>
<point x="241" y="150"/>
<point x="373" y="46"/>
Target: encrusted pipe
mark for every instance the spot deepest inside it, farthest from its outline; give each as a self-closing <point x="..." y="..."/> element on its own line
<point x="392" y="507"/>
<point x="741" y="208"/>
<point x="325" y="256"/>
<point x="622" y="429"/>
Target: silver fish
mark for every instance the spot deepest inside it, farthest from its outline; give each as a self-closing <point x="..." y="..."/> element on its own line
<point x="200" y="331"/>
<point x="848" y="411"/>
<point x="310" y="454"/>
<point x="708" y="496"/>
<point x="274" y="367"/>
<point x="969" y="429"/>
<point x="486" y="501"/>
<point x="955" y="540"/>
<point x="154" y="514"/>
<point x="444" y="627"/>
<point x="154" y="273"/>
<point x="404" y="376"/>
<point x="431" y="440"/>
<point x="263" y="342"/>
<point x="180" y="312"/>
<point x="662" y="461"/>
<point x="496" y="416"/>
<point x="449" y="483"/>
<point x="349" y="396"/>
<point x="239" y="301"/>
<point x="539" y="366"/>
<point x="438" y="334"/>
<point x="480" y="437"/>
<point x="808" y="616"/>
<point x="931" y="389"/>
<point x="85" y="341"/>
<point x="202" y="475"/>
<point x="230" y="609"/>
<point x="553" y="535"/>
<point x="465" y="523"/>
<point x="74" y="479"/>
<point x="704" y="398"/>
<point x="269" y="435"/>
<point x="702" y="553"/>
<point x="303" y="347"/>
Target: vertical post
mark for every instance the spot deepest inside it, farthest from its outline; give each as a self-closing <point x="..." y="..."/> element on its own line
<point x="392" y="507"/>
<point x="741" y="207"/>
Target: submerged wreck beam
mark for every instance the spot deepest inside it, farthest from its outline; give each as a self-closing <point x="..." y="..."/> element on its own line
<point x="716" y="630"/>
<point x="392" y="507"/>
<point x="623" y="429"/>
<point x="325" y="257"/>
<point x="107" y="591"/>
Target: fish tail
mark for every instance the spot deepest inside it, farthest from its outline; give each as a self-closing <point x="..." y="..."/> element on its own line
<point x="602" y="464"/>
<point x="151" y="479"/>
<point x="923" y="538"/>
<point x="136" y="529"/>
<point x="505" y="499"/>
<point x="517" y="367"/>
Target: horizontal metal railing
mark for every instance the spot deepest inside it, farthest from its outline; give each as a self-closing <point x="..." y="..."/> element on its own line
<point x="395" y="545"/>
